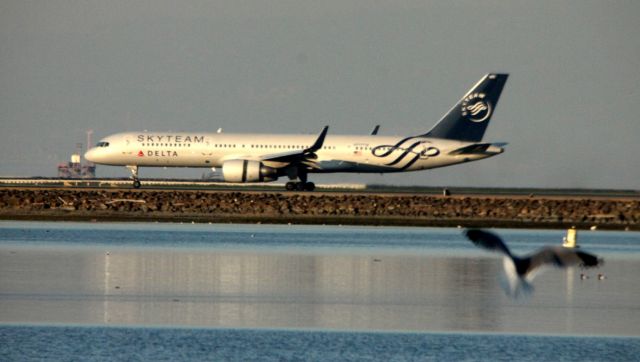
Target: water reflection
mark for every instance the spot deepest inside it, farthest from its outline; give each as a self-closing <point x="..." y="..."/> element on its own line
<point x="292" y="290"/>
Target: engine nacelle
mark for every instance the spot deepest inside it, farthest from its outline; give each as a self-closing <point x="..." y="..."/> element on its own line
<point x="248" y="171"/>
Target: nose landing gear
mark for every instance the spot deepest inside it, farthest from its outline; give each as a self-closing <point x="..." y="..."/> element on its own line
<point x="134" y="176"/>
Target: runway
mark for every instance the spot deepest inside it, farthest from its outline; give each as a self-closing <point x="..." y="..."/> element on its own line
<point x="346" y="188"/>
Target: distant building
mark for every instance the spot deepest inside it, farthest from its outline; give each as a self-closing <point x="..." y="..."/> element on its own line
<point x="75" y="168"/>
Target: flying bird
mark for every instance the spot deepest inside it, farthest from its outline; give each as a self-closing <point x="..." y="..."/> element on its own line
<point x="520" y="271"/>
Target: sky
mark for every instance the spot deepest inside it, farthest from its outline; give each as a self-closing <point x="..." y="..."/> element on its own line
<point x="568" y="111"/>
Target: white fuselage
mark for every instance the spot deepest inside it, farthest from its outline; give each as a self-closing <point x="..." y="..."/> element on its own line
<point x="339" y="153"/>
<point x="456" y="138"/>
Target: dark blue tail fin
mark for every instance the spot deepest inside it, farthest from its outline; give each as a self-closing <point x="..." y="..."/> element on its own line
<point x="469" y="118"/>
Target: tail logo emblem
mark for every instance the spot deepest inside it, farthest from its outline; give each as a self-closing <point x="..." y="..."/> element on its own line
<point x="476" y="108"/>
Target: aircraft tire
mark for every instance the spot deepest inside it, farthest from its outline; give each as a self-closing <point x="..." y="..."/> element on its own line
<point x="136" y="184"/>
<point x="290" y="186"/>
<point x="309" y="186"/>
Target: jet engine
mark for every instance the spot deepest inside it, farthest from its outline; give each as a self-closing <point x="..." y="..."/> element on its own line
<point x="248" y="171"/>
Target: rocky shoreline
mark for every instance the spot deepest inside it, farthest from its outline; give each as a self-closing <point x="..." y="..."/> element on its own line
<point x="319" y="208"/>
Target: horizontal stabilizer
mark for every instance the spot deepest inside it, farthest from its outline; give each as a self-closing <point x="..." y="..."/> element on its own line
<point x="480" y="148"/>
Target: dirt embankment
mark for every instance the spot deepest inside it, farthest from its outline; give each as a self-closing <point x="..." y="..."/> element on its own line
<point x="373" y="209"/>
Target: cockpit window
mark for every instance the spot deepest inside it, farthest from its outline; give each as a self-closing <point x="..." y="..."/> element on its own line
<point x="103" y="144"/>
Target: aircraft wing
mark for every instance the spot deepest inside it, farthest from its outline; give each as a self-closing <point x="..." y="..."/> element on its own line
<point x="305" y="156"/>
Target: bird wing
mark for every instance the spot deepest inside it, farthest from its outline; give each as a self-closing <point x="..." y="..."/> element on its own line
<point x="561" y="257"/>
<point x="514" y="284"/>
<point x="487" y="240"/>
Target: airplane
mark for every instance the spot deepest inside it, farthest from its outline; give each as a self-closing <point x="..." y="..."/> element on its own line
<point x="455" y="139"/>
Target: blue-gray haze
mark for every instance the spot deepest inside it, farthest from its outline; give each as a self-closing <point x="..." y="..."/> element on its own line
<point x="569" y="111"/>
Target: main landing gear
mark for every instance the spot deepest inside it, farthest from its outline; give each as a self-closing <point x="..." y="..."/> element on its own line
<point x="134" y="176"/>
<point x="300" y="186"/>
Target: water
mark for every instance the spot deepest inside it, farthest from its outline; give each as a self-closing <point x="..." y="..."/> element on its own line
<point x="92" y="343"/>
<point x="288" y="237"/>
<point x="247" y="292"/>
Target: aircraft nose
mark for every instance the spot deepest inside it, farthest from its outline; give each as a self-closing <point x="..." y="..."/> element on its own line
<point x="90" y="155"/>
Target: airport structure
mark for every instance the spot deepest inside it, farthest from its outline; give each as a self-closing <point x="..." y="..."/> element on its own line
<point x="75" y="169"/>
